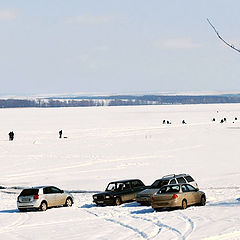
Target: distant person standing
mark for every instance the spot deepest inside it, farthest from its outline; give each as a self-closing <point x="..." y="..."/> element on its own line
<point x="60" y="133"/>
<point x="11" y="136"/>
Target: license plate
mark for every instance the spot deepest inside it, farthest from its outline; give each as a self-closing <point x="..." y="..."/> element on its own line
<point x="26" y="199"/>
<point x="100" y="201"/>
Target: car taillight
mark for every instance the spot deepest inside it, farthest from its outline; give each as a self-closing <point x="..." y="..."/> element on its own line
<point x="174" y="196"/>
<point x="152" y="198"/>
<point x="35" y="197"/>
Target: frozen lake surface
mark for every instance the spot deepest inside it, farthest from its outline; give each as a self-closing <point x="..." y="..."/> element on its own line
<point x="103" y="144"/>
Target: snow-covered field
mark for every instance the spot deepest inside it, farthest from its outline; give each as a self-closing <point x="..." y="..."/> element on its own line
<point x="113" y="143"/>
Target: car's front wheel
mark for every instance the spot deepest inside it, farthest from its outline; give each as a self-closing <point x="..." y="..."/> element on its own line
<point x="118" y="201"/>
<point x="69" y="202"/>
<point x="43" y="206"/>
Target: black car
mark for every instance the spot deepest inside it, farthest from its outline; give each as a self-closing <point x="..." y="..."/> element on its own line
<point x="119" y="192"/>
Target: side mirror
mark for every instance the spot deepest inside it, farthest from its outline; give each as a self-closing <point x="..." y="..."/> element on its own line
<point x="61" y="191"/>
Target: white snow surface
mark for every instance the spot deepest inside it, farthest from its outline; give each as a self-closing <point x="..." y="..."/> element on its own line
<point x="103" y="144"/>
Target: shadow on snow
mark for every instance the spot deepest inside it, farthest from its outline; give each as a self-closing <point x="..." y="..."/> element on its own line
<point x="226" y="204"/>
<point x="10" y="211"/>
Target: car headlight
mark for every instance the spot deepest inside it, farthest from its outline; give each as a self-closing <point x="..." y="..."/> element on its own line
<point x="107" y="197"/>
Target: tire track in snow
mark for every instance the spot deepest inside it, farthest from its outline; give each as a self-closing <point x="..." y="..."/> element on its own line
<point x="135" y="230"/>
<point x="160" y="225"/>
<point x="153" y="234"/>
<point x="111" y="215"/>
<point x="189" y="226"/>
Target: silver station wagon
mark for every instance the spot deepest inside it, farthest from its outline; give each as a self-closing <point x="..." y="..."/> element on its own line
<point x="177" y="196"/>
<point x="144" y="197"/>
<point x="43" y="198"/>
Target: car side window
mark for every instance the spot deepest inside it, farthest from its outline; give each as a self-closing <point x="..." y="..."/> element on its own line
<point x="191" y="188"/>
<point x="55" y="190"/>
<point x="189" y="178"/>
<point x="119" y="187"/>
<point x="140" y="183"/>
<point x="137" y="183"/>
<point x="181" y="180"/>
<point x="173" y="181"/>
<point x="46" y="190"/>
<point x="184" y="188"/>
<point x="126" y="186"/>
<point x="169" y="189"/>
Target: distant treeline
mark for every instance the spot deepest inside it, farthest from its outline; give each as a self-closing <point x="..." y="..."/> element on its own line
<point x="118" y="100"/>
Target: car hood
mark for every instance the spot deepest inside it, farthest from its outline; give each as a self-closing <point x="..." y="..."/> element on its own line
<point x="148" y="191"/>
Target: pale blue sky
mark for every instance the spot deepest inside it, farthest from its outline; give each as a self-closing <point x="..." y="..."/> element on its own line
<point x="110" y="46"/>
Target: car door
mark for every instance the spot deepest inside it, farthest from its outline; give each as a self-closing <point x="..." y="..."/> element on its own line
<point x="186" y="194"/>
<point x="194" y="194"/>
<point x="137" y="186"/>
<point x="49" y="196"/>
<point x="127" y="193"/>
<point x="59" y="197"/>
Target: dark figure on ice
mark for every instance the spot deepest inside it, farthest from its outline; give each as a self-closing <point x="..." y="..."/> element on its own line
<point x="213" y="119"/>
<point x="168" y="122"/>
<point x="60" y="134"/>
<point x="222" y="121"/>
<point x="183" y="122"/>
<point x="164" y="121"/>
<point x="235" y="118"/>
<point x="11" y="136"/>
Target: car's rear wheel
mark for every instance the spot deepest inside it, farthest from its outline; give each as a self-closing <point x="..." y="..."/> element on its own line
<point x="69" y="202"/>
<point x="184" y="204"/>
<point x="118" y="201"/>
<point x="203" y="201"/>
<point x="43" y="206"/>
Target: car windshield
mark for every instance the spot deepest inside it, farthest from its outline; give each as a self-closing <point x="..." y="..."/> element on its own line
<point x="115" y="187"/>
<point x="169" y="189"/>
<point x="159" y="183"/>
<point x="29" y="192"/>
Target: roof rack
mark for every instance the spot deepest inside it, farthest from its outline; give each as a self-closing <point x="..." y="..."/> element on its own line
<point x="174" y="175"/>
<point x="168" y="176"/>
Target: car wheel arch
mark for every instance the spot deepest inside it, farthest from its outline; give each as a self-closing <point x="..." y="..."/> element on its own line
<point x="44" y="201"/>
<point x="118" y="200"/>
<point x="68" y="198"/>
<point x="184" y="206"/>
<point x="202" y="203"/>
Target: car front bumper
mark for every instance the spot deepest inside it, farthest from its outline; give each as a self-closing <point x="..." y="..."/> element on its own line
<point x="110" y="201"/>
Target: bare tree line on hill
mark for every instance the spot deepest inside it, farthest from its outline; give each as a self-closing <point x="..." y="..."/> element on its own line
<point x="120" y="100"/>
